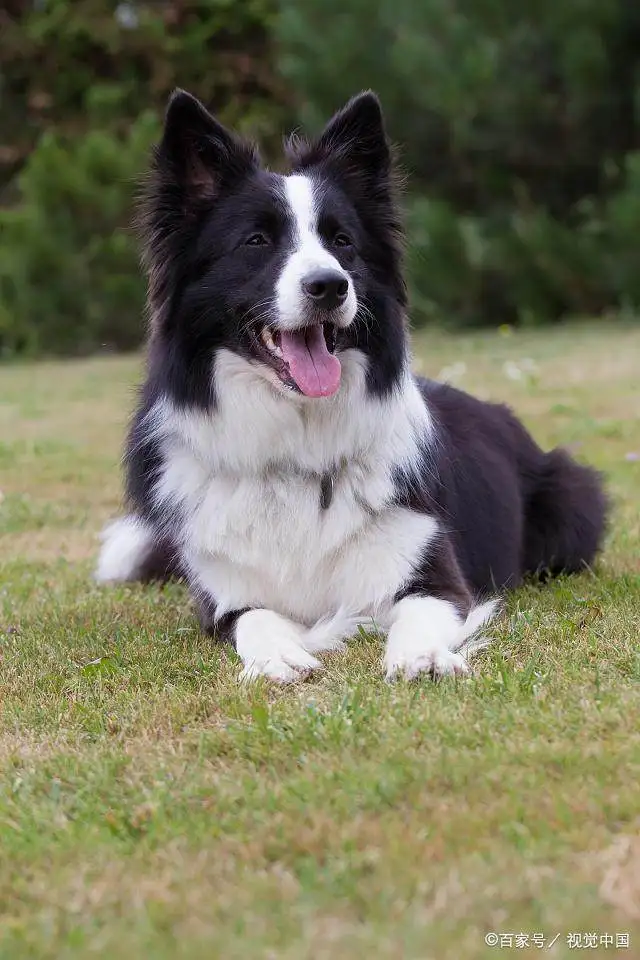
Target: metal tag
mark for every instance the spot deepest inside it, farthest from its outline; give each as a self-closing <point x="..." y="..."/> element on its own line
<point x="327" y="484"/>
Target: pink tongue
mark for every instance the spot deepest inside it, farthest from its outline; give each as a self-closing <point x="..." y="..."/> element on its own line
<point x="314" y="369"/>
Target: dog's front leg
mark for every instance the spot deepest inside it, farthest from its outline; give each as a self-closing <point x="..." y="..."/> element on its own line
<point x="268" y="644"/>
<point x="433" y="620"/>
<point x="272" y="646"/>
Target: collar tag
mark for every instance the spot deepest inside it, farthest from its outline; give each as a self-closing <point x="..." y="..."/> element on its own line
<point x="327" y="484"/>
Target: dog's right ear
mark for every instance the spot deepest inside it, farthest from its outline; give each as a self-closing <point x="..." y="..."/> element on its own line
<point x="196" y="160"/>
<point x="197" y="154"/>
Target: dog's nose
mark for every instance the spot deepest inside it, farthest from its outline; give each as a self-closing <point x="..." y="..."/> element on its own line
<point x="327" y="289"/>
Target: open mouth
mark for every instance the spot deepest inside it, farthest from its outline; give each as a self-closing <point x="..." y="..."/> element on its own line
<point x="303" y="359"/>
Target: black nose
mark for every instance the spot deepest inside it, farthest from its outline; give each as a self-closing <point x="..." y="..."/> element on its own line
<point x="327" y="288"/>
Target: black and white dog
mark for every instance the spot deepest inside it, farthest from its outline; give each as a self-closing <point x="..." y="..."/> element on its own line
<point x="283" y="458"/>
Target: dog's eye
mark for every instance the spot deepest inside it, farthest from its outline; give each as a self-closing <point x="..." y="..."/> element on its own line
<point x="257" y="240"/>
<point x="342" y="240"/>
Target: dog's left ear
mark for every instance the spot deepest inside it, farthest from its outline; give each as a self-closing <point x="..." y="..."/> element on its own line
<point x="357" y="134"/>
<point x="354" y="139"/>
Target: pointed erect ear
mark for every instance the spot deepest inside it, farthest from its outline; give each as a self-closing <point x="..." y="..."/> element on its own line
<point x="197" y="153"/>
<point x="196" y="160"/>
<point x="355" y="138"/>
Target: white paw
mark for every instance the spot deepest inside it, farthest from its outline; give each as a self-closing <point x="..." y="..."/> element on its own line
<point x="437" y="661"/>
<point x="423" y="639"/>
<point x="271" y="646"/>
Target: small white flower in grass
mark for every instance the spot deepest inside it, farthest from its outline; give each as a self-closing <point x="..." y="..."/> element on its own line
<point x="512" y="371"/>
<point x="453" y="372"/>
<point x="525" y="369"/>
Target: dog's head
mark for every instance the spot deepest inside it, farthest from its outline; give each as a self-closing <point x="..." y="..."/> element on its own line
<point x="289" y="272"/>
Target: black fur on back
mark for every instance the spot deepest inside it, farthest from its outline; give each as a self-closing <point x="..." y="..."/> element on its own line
<point x="510" y="509"/>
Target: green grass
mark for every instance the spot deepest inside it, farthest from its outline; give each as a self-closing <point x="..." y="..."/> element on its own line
<point x="151" y="807"/>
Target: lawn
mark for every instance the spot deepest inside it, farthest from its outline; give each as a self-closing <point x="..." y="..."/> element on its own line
<point x="150" y="807"/>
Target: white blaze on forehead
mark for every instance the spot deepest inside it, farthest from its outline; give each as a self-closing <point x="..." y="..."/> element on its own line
<point x="306" y="255"/>
<point x="299" y="196"/>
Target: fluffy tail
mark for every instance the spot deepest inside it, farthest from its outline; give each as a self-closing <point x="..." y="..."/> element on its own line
<point x="565" y="517"/>
<point x="131" y="551"/>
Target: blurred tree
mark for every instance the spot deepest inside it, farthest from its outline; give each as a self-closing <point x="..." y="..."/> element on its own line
<point x="72" y="65"/>
<point x="69" y="277"/>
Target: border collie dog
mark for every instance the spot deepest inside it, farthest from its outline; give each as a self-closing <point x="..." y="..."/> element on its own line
<point x="282" y="458"/>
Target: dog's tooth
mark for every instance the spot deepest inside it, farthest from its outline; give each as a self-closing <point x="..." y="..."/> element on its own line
<point x="267" y="338"/>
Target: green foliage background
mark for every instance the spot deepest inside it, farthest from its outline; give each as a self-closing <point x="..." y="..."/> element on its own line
<point x="83" y="85"/>
<point x="518" y="125"/>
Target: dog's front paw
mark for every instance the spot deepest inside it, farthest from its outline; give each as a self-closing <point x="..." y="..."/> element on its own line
<point x="423" y="638"/>
<point x="271" y="646"/>
<point x="409" y="660"/>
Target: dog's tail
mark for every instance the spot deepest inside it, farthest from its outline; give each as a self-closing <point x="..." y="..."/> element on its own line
<point x="565" y="517"/>
<point x="130" y="551"/>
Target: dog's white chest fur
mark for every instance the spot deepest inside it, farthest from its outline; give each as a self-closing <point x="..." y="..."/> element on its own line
<point x="246" y="483"/>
